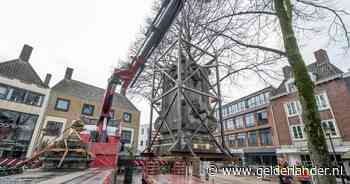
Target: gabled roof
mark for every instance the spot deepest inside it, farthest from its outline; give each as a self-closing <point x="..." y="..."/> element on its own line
<point x="322" y="71"/>
<point x="85" y="91"/>
<point x="21" y="70"/>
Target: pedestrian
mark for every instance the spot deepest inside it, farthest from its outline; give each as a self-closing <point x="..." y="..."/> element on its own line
<point x="288" y="179"/>
<point x="284" y="179"/>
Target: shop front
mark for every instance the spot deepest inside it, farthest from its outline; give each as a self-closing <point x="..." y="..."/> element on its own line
<point x="16" y="132"/>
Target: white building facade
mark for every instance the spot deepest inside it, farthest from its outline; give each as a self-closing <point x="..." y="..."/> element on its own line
<point x="143" y="137"/>
<point x="23" y="100"/>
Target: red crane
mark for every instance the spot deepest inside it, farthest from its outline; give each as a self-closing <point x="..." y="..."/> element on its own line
<point x="127" y="76"/>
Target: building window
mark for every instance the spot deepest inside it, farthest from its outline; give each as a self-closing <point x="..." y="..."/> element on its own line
<point x="230" y="124"/>
<point x="127" y="117"/>
<point x="126" y="136"/>
<point x="232" y="140"/>
<point x="230" y="107"/>
<point x="329" y="127"/>
<point x="3" y="91"/>
<point x="224" y="124"/>
<point x="252" y="102"/>
<point x="321" y="102"/>
<point x="18" y="95"/>
<point x="88" y="109"/>
<point x="34" y="99"/>
<point x="224" y="111"/>
<point x="265" y="137"/>
<point x="291" y="86"/>
<point x="141" y="143"/>
<point x="252" y="138"/>
<point x="142" y="131"/>
<point x="241" y="139"/>
<point x="297" y="132"/>
<point x="258" y="100"/>
<point x="234" y="108"/>
<point x="62" y="104"/>
<point x="261" y="117"/>
<point x="292" y="108"/>
<point x="241" y="106"/>
<point x="16" y="132"/>
<point x="239" y="122"/>
<point x="249" y="119"/>
<point x="53" y="128"/>
<point x="226" y="137"/>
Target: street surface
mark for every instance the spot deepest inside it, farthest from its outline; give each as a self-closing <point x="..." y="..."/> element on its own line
<point x="90" y="176"/>
<point x="221" y="179"/>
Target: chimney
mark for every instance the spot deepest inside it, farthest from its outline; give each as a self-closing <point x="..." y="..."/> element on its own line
<point x="321" y="56"/>
<point x="287" y="72"/>
<point x="69" y="73"/>
<point x="47" y="79"/>
<point x="26" y="52"/>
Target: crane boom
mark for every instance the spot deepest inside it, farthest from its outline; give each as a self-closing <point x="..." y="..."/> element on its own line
<point x="127" y="76"/>
<point x="160" y="25"/>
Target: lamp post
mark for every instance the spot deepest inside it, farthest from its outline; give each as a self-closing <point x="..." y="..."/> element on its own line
<point x="328" y="132"/>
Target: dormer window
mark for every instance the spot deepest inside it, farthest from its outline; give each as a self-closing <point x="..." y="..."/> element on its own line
<point x="312" y="76"/>
<point x="290" y="85"/>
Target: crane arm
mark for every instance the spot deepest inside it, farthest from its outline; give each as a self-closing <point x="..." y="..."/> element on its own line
<point x="156" y="32"/>
<point x="126" y="77"/>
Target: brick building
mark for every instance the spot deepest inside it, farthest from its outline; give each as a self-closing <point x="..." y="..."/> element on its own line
<point x="249" y="130"/>
<point x="23" y="99"/>
<point x="71" y="99"/>
<point x="333" y="102"/>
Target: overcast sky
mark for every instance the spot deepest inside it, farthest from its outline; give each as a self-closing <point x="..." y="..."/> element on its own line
<point x="90" y="36"/>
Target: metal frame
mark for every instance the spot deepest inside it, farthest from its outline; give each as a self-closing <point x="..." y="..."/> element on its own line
<point x="178" y="92"/>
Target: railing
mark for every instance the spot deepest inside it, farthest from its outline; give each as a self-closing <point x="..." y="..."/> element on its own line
<point x="7" y="166"/>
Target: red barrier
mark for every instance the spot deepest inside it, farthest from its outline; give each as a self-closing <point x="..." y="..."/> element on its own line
<point x="104" y="154"/>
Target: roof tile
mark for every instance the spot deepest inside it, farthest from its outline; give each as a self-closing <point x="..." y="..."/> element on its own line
<point x="322" y="70"/>
<point x="21" y="70"/>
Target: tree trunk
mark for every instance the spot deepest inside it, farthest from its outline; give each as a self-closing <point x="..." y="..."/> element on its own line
<point x="317" y="144"/>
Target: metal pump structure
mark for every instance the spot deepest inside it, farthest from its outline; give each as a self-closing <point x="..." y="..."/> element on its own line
<point x="126" y="77"/>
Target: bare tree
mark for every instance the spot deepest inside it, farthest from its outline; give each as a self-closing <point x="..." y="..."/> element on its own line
<point x="205" y="25"/>
<point x="292" y="18"/>
<point x="253" y="35"/>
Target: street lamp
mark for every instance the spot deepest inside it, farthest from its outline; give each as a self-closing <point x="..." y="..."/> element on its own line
<point x="328" y="132"/>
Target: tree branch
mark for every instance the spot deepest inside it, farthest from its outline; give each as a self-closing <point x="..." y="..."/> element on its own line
<point x="335" y="12"/>
<point x="276" y="51"/>
<point x="242" y="13"/>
